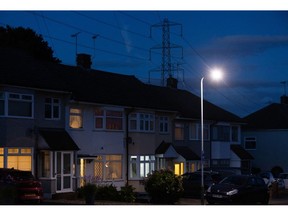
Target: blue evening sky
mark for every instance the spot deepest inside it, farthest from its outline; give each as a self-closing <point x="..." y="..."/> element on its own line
<point x="250" y="46"/>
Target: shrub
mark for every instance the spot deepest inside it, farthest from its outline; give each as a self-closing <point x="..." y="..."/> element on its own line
<point x="164" y="187"/>
<point x="127" y="194"/>
<point x="107" y="192"/>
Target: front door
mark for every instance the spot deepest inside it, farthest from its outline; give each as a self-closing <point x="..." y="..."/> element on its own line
<point x="64" y="171"/>
<point x="179" y="168"/>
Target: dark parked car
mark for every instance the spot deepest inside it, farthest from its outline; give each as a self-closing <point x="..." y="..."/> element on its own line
<point x="192" y="181"/>
<point x="17" y="186"/>
<point x="238" y="189"/>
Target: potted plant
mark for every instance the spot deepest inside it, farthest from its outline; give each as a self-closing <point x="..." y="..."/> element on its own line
<point x="89" y="192"/>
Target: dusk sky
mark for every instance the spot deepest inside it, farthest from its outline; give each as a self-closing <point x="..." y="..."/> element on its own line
<point x="251" y="47"/>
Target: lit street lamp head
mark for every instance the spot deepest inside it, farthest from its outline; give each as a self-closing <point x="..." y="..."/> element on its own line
<point x="216" y="74"/>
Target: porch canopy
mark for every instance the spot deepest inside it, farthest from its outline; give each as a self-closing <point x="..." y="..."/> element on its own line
<point x="241" y="152"/>
<point x="168" y="150"/>
<point x="58" y="139"/>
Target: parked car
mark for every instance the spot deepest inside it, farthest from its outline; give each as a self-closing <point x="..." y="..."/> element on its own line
<point x="192" y="181"/>
<point x="284" y="177"/>
<point x="238" y="189"/>
<point x="17" y="186"/>
<point x="269" y="179"/>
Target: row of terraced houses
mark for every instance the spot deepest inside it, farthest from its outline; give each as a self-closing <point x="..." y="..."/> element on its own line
<point x="68" y="124"/>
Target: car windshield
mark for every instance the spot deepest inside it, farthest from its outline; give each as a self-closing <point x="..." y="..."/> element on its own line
<point x="235" y="180"/>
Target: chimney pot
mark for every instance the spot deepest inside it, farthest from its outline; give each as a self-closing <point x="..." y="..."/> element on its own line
<point x="172" y="82"/>
<point x="284" y="99"/>
<point x="84" y="60"/>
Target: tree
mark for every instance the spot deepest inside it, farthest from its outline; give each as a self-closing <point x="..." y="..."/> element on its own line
<point x="27" y="39"/>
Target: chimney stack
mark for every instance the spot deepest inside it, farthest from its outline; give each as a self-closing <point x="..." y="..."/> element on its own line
<point x="172" y="82"/>
<point x="84" y="61"/>
<point x="284" y="99"/>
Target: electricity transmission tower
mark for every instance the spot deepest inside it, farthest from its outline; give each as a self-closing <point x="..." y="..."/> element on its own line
<point x="167" y="68"/>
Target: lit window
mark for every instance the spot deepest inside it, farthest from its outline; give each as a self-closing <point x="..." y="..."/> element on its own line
<point x="108" y="119"/>
<point x="108" y="167"/>
<point x="179" y="131"/>
<point x="76" y="119"/>
<point x="19" y="159"/>
<point x="13" y="151"/>
<point x="147" y="165"/>
<point x="133" y="167"/>
<point x="52" y="108"/>
<point x="114" y="120"/>
<point x="1" y="157"/>
<point x="99" y="119"/>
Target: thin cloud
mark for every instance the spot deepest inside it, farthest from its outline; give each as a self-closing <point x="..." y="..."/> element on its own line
<point x="243" y="45"/>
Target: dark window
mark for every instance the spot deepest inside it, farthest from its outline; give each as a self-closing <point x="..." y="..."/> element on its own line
<point x="250" y="143"/>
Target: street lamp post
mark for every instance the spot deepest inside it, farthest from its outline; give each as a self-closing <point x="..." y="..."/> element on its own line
<point x="216" y="75"/>
<point x="202" y="145"/>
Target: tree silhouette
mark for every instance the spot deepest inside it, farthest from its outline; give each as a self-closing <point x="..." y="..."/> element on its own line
<point x="27" y="39"/>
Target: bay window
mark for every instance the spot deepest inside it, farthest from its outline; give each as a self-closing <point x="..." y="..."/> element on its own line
<point x="141" y="165"/>
<point x="142" y="122"/>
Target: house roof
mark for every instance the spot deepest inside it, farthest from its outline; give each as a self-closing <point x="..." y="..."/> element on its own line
<point x="241" y="152"/>
<point x="184" y="151"/>
<point x="273" y="116"/>
<point x="95" y="86"/>
<point x="58" y="139"/>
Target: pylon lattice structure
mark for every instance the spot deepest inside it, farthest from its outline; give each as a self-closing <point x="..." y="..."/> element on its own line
<point x="167" y="69"/>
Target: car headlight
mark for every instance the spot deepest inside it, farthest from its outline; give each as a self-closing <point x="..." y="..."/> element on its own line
<point x="230" y="193"/>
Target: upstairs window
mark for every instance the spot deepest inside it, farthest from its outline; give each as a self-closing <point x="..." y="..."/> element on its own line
<point x="221" y="133"/>
<point x="250" y="143"/>
<point x="20" y="105"/>
<point x="235" y="134"/>
<point x="52" y="108"/>
<point x="2" y="104"/>
<point x="163" y="124"/>
<point x="179" y="131"/>
<point x="108" y="119"/>
<point x="143" y="122"/>
<point x="76" y="118"/>
<point x="195" y="131"/>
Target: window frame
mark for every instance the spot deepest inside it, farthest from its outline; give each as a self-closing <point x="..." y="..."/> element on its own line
<point x="52" y="105"/>
<point x="142" y="122"/>
<point x="223" y="133"/>
<point x="107" y="119"/>
<point x="104" y="161"/>
<point x="144" y="164"/>
<point x="9" y="97"/>
<point x="163" y="124"/>
<point x="80" y="115"/>
<point x="197" y="132"/>
<point x="181" y="127"/>
<point x="252" y="138"/>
